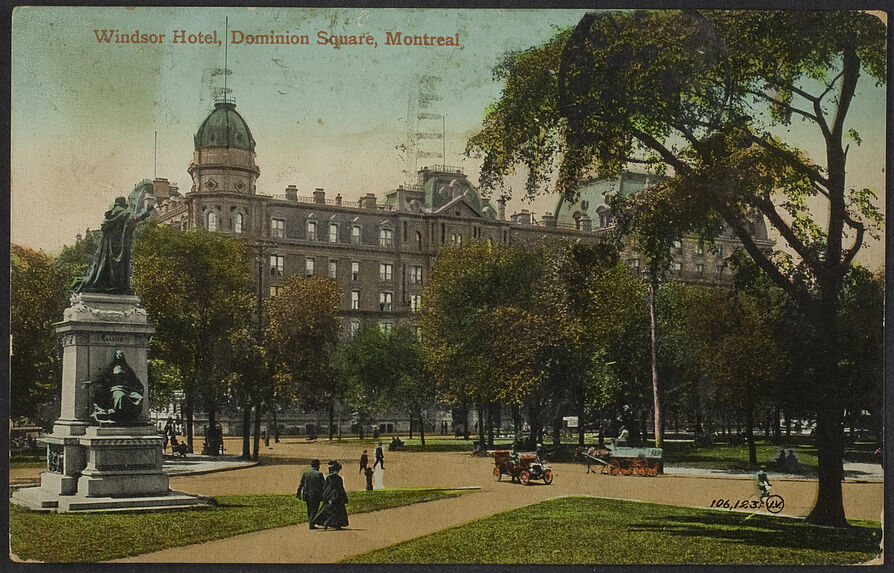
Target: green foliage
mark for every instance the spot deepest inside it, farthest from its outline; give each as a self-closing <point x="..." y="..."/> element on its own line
<point x="101" y="536"/>
<point x="38" y="295"/>
<point x="605" y="531"/>
<point x="300" y="335"/>
<point x="196" y="287"/>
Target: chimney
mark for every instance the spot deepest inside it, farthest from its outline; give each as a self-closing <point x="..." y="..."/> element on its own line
<point x="369" y="201"/>
<point x="292" y="193"/>
<point x="161" y="189"/>
<point x="585" y="223"/>
<point x="548" y="220"/>
<point x="319" y="195"/>
<point x="501" y="208"/>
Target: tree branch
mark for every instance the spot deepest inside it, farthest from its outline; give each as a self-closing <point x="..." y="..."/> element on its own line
<point x="784" y="105"/>
<point x="858" y="242"/>
<point x="769" y="210"/>
<point x="793" y="160"/>
<point x="796" y="290"/>
<point x="680" y="166"/>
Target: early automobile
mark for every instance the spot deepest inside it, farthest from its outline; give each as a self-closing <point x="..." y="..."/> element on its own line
<point x="528" y="467"/>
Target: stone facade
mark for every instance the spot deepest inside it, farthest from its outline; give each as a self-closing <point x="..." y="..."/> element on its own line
<point x="93" y="465"/>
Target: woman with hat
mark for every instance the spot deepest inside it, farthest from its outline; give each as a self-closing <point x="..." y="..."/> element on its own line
<point x="335" y="498"/>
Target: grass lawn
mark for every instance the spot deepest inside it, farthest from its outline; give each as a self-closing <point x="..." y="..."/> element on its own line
<point x="602" y="531"/>
<point x="100" y="536"/>
<point x="726" y="456"/>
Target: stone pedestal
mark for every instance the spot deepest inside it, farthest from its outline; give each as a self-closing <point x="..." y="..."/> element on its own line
<point x="94" y="465"/>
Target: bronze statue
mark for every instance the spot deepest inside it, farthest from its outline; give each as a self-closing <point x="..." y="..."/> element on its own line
<point x="116" y="393"/>
<point x="109" y="271"/>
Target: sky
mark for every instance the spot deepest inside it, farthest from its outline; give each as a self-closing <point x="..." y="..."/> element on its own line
<point x="90" y="119"/>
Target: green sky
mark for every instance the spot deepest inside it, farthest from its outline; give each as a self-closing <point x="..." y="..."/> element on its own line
<point x="84" y="113"/>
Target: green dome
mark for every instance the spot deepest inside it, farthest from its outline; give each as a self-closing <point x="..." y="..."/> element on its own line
<point x="224" y="127"/>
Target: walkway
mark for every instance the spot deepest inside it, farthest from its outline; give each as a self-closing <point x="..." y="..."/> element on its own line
<point x="297" y="544"/>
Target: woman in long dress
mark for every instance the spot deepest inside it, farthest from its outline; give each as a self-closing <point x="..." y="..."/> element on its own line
<point x="333" y="514"/>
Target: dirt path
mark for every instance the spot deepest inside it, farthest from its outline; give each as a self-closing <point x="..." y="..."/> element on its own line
<point x="298" y="544"/>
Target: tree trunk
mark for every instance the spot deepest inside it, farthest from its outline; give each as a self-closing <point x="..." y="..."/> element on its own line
<point x="749" y="428"/>
<point x="189" y="420"/>
<point x="246" y="429"/>
<point x="411" y="427"/>
<point x="777" y="430"/>
<point x="490" y="424"/>
<point x="259" y="407"/>
<point x="331" y="418"/>
<point x="481" y="423"/>
<point x="516" y="422"/>
<point x="269" y="426"/>
<point x="788" y="424"/>
<point x="653" y="285"/>
<point x="421" y="430"/>
<point x="829" y="506"/>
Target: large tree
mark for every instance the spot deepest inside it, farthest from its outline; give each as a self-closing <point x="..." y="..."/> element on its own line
<point x="301" y="336"/>
<point x="466" y="283"/>
<point x="708" y="96"/>
<point x="385" y="370"/>
<point x="196" y="287"/>
<point x="38" y="295"/>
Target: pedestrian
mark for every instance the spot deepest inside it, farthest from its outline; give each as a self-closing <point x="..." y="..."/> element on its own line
<point x="311" y="490"/>
<point x="762" y="481"/>
<point x="622" y="438"/>
<point x="333" y="514"/>
<point x="364" y="461"/>
<point x="380" y="457"/>
<point x="368" y="471"/>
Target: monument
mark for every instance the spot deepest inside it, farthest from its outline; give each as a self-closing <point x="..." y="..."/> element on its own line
<point x="104" y="453"/>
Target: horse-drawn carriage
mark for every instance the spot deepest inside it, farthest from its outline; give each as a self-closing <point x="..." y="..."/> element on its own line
<point x="621" y="460"/>
<point x="528" y="467"/>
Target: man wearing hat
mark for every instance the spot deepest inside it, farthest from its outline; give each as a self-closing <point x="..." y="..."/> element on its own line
<point x="311" y="490"/>
<point x="380" y="457"/>
<point x="335" y="498"/>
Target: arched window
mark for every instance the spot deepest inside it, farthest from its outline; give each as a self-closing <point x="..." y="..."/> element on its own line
<point x="418" y="240"/>
<point x="212" y="223"/>
<point x="237" y="224"/>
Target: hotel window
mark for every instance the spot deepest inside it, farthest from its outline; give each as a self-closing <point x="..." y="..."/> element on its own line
<point x="414" y="302"/>
<point x="700" y="248"/>
<point x="276" y="264"/>
<point x="719" y="250"/>
<point x="212" y="222"/>
<point x="309" y="266"/>
<point x="278" y="228"/>
<point x="676" y="267"/>
<point x="274" y="290"/>
<point x="355" y="327"/>
<point x="237" y="224"/>
<point x="418" y="331"/>
<point x="634" y="264"/>
<point x="386" y="237"/>
<point x="418" y="240"/>
<point x="333" y="232"/>
<point x="385" y="270"/>
<point x="699" y="269"/>
<point x="385" y="301"/>
<point x="678" y="245"/>
<point x="385" y="326"/>
<point x="355" y="299"/>
<point x="416" y="274"/>
<point x="355" y="234"/>
<point x="333" y="268"/>
<point x="719" y="271"/>
<point x="456" y="239"/>
<point x="355" y="271"/>
<point x="311" y="230"/>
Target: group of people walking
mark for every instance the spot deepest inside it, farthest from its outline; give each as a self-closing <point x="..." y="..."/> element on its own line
<point x="325" y="495"/>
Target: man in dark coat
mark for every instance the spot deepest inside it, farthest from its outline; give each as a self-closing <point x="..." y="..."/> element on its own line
<point x="311" y="490"/>
<point x="335" y="498"/>
<point x="364" y="461"/>
<point x="380" y="457"/>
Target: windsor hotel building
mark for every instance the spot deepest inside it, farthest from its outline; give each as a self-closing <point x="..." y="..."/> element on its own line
<point x="380" y="252"/>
